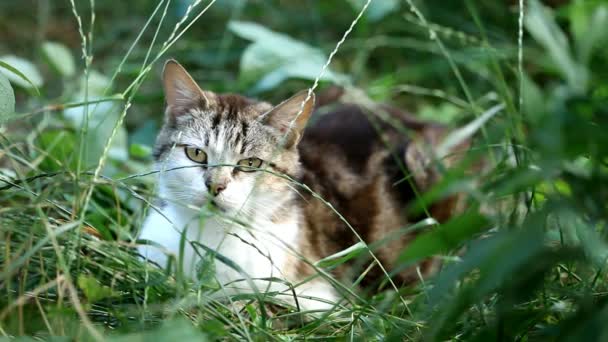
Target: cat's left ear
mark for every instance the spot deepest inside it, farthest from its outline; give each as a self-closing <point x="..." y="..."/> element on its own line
<point x="290" y="116"/>
<point x="181" y="91"/>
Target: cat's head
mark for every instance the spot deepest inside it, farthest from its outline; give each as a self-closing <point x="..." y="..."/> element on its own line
<point x="227" y="148"/>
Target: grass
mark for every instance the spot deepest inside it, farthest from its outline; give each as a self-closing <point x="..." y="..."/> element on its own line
<point x="526" y="261"/>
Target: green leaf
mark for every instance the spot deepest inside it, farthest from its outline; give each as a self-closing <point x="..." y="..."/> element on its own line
<point x="205" y="271"/>
<point x="502" y="259"/>
<point x="21" y="72"/>
<point x="445" y="112"/>
<point x="444" y="238"/>
<point x="274" y="57"/>
<point x="101" y="117"/>
<point x="533" y="99"/>
<point x="60" y="58"/>
<point x="140" y="151"/>
<point x="213" y="327"/>
<point x="517" y="180"/>
<point x="593" y="245"/>
<point x="171" y="330"/>
<point x="592" y="33"/>
<point x="7" y="97"/>
<point x="376" y="9"/>
<point x="542" y="26"/>
<point x="342" y="256"/>
<point x="588" y="24"/>
<point x="458" y="136"/>
<point x="59" y="147"/>
<point x="92" y="289"/>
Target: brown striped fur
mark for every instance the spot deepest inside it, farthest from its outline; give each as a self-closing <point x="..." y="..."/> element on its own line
<point x="353" y="166"/>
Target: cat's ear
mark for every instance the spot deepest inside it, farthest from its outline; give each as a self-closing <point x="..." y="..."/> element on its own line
<point x="428" y="156"/>
<point x="290" y="116"/>
<point x="181" y="91"/>
<point x="422" y="155"/>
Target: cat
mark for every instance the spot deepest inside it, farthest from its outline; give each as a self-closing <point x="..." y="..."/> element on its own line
<point x="243" y="159"/>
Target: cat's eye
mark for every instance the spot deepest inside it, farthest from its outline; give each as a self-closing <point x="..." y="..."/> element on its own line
<point x="196" y="155"/>
<point x="249" y="164"/>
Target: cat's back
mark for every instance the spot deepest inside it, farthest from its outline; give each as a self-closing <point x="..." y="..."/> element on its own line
<point x="349" y="149"/>
<point x="355" y="161"/>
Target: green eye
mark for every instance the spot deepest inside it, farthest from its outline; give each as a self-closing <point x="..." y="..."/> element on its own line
<point x="249" y="164"/>
<point x="196" y="155"/>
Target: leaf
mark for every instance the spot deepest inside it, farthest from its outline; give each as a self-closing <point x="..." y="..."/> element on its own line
<point x="92" y="289"/>
<point x="7" y="97"/>
<point x="342" y="256"/>
<point x="58" y="146"/>
<point x="205" y="272"/>
<point x="171" y="330"/>
<point x="376" y="9"/>
<point x="140" y="151"/>
<point x="445" y="112"/>
<point x="297" y="69"/>
<point x="517" y="180"/>
<point x="488" y="256"/>
<point x="254" y="32"/>
<point x="458" y="136"/>
<point x="22" y="72"/>
<point x="533" y="99"/>
<point x="60" y="58"/>
<point x="274" y="57"/>
<point x="213" y="327"/>
<point x="101" y="117"/>
<point x="444" y="238"/>
<point x="592" y="243"/>
<point x="589" y="30"/>
<point x="542" y="26"/>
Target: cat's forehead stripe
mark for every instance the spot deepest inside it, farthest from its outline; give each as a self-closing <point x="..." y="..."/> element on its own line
<point x="244" y="127"/>
<point x="237" y="139"/>
<point x="235" y="136"/>
<point x="216" y="120"/>
<point x="224" y="130"/>
<point x="243" y="146"/>
<point x="224" y="122"/>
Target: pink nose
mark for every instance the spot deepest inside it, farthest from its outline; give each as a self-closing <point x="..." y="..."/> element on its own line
<point x="215" y="188"/>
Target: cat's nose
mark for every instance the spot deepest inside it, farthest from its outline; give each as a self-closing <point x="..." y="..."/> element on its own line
<point x="215" y="188"/>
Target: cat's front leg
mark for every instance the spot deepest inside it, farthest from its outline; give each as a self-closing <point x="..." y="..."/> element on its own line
<point x="317" y="295"/>
<point x="166" y="241"/>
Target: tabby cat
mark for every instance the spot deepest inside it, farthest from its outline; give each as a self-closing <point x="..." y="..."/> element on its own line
<point x="229" y="186"/>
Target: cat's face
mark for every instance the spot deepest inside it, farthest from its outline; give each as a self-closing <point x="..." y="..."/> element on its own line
<point x="227" y="149"/>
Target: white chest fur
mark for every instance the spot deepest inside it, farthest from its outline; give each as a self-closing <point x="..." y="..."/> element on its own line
<point x="260" y="251"/>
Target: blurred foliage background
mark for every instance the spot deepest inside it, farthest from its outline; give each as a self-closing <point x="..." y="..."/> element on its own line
<point x="526" y="261"/>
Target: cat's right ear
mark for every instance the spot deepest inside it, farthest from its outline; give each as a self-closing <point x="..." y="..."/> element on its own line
<point x="421" y="155"/>
<point x="290" y="116"/>
<point x="181" y="91"/>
